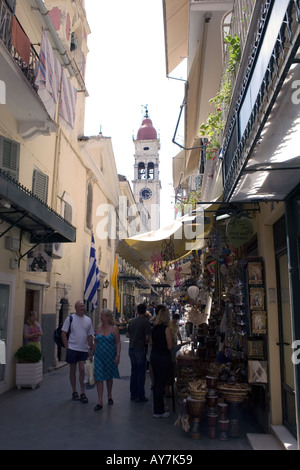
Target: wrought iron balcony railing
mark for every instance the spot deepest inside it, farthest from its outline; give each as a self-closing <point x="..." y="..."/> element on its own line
<point x="14" y="38"/>
<point x="240" y="139"/>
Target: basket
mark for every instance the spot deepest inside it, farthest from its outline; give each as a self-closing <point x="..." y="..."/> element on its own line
<point x="197" y="395"/>
<point x="235" y="393"/>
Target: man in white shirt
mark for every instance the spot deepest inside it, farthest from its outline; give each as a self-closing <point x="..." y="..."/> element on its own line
<point x="78" y="345"/>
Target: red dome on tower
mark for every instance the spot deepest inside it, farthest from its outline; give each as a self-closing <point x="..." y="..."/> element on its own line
<point x="147" y="131"/>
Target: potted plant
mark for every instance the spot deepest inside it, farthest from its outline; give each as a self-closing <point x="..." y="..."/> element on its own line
<point x="29" y="367"/>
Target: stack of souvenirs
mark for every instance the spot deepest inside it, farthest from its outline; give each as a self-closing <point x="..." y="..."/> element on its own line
<point x="213" y="396"/>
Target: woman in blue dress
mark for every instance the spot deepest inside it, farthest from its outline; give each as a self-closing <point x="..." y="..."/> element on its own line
<point x="106" y="352"/>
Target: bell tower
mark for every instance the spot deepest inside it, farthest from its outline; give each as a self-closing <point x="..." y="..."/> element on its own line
<point x="146" y="183"/>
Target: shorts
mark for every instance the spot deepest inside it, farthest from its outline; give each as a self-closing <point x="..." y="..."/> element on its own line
<point x="72" y="356"/>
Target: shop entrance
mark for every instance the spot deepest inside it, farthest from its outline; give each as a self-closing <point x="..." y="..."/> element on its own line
<point x="285" y="329"/>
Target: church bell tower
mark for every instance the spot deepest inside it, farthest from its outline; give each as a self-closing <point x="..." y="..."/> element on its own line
<point x="146" y="183"/>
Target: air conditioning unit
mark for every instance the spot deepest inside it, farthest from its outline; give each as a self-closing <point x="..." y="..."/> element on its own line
<point x="55" y="248"/>
<point x="12" y="244"/>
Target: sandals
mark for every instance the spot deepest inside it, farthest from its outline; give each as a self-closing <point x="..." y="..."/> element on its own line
<point x="83" y="398"/>
<point x="98" y="407"/>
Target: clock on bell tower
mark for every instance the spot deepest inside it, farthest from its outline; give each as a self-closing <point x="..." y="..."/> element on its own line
<point x="146" y="183"/>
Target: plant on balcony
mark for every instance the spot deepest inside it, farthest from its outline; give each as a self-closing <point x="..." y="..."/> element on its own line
<point x="214" y="125"/>
<point x="191" y="201"/>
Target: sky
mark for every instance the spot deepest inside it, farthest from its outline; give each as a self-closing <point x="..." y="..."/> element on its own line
<point x="126" y="70"/>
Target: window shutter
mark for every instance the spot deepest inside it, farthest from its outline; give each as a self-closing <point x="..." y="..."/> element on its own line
<point x="40" y="185"/>
<point x="68" y="212"/>
<point x="9" y="157"/>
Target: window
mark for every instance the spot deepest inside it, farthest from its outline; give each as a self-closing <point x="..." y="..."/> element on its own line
<point x="89" y="206"/>
<point x="9" y="157"/>
<point x="67" y="207"/>
<point x="150" y="173"/>
<point x="141" y="171"/>
<point x="68" y="212"/>
<point x="226" y="29"/>
<point x="40" y="185"/>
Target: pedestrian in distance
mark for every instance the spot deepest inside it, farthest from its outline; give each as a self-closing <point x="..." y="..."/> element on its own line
<point x="78" y="347"/>
<point x="106" y="352"/>
<point x="162" y="344"/>
<point x="138" y="332"/>
<point x="32" y="331"/>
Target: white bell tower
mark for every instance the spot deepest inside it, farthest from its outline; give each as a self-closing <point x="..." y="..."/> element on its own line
<point x="146" y="183"/>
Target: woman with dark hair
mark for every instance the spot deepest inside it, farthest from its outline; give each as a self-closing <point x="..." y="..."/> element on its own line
<point x="162" y="344"/>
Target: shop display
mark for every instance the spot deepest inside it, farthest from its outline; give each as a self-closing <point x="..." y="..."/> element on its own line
<point x="226" y="322"/>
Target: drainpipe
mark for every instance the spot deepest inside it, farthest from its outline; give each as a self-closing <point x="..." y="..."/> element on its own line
<point x="45" y="14"/>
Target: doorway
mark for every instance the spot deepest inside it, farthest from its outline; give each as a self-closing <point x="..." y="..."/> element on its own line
<point x="285" y="328"/>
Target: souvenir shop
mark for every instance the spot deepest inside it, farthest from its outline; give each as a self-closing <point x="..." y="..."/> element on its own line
<point x="223" y="370"/>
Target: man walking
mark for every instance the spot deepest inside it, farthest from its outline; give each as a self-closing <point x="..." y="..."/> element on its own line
<point x="77" y="346"/>
<point x="138" y="332"/>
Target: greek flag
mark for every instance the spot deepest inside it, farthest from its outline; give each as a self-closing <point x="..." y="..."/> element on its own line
<point x="93" y="278"/>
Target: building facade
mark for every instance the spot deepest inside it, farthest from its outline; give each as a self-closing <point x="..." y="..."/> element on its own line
<point x="242" y="134"/>
<point x="57" y="186"/>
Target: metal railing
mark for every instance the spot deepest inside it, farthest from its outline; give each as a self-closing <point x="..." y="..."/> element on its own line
<point x="28" y="69"/>
<point x="14" y="183"/>
<point x="238" y="148"/>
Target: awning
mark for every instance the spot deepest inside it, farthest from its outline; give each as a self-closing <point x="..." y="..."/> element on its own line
<point x="187" y="233"/>
<point x="176" y="32"/>
<point x="20" y="208"/>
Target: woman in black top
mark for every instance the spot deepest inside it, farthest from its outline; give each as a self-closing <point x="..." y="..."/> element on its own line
<point x="161" y="340"/>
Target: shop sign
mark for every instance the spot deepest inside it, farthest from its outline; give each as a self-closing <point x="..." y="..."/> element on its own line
<point x="239" y="230"/>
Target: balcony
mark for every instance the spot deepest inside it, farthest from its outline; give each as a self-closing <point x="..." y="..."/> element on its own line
<point x="18" y="60"/>
<point x="261" y="155"/>
<point x="20" y="208"/>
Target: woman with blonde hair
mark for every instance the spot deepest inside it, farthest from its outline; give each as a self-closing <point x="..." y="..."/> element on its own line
<point x="162" y="344"/>
<point x="32" y="331"/>
<point x="106" y="351"/>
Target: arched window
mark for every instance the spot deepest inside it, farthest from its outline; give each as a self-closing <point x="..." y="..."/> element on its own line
<point x="89" y="206"/>
<point x="150" y="172"/>
<point x="141" y="171"/>
<point x="225" y="31"/>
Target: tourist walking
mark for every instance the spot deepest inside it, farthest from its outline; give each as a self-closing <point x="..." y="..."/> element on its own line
<point x="162" y="344"/>
<point x="78" y="346"/>
<point x="106" y="352"/>
<point x="138" y="332"/>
